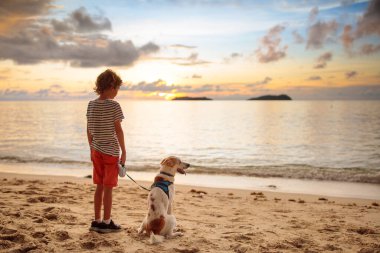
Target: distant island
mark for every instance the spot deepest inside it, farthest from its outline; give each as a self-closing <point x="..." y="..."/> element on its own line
<point x="191" y="98"/>
<point x="272" y="97"/>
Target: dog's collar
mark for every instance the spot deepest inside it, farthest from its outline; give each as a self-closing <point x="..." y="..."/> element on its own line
<point x="165" y="173"/>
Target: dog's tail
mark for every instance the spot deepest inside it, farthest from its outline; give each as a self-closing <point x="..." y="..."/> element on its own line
<point x="154" y="239"/>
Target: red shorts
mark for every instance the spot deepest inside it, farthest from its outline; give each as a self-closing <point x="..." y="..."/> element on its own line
<point x="106" y="168"/>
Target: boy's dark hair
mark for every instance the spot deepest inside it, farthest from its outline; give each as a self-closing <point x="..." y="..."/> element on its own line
<point x="106" y="80"/>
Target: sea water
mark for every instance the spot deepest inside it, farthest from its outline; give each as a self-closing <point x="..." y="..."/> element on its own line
<point x="323" y="140"/>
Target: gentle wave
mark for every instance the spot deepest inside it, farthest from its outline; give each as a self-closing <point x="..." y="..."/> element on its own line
<point x="47" y="160"/>
<point x="294" y="171"/>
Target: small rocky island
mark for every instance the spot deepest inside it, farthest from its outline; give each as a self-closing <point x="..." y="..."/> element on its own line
<point x="272" y="97"/>
<point x="191" y="98"/>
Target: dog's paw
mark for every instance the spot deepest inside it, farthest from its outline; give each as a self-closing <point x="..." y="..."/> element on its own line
<point x="177" y="234"/>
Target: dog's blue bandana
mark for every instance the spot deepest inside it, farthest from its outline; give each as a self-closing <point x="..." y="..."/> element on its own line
<point x="163" y="185"/>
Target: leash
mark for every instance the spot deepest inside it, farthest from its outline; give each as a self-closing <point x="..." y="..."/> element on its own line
<point x="137" y="183"/>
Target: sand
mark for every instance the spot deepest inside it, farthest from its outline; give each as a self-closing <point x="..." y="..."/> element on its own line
<point x="53" y="214"/>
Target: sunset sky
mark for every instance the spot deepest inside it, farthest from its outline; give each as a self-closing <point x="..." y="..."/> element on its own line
<point x="223" y="49"/>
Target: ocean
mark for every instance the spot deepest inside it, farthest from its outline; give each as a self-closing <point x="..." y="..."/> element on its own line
<point x="318" y="140"/>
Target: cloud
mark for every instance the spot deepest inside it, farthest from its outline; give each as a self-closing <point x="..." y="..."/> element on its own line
<point x="361" y="91"/>
<point x="205" y="88"/>
<point x="232" y="57"/>
<point x="298" y="38"/>
<point x="347" y="37"/>
<point x="270" y="49"/>
<point x="54" y="91"/>
<point x="191" y="61"/>
<point x="351" y="74"/>
<point x="369" y="23"/>
<point x="319" y="33"/>
<point x="322" y="60"/>
<point x="368" y="49"/>
<point x="162" y="86"/>
<point x="149" y="48"/>
<point x="14" y="15"/>
<point x="183" y="46"/>
<point x="53" y="41"/>
<point x="156" y="86"/>
<point x="236" y="55"/>
<point x="313" y="14"/>
<point x="314" y="78"/>
<point x="265" y="81"/>
<point x="347" y="2"/>
<point x="81" y="21"/>
<point x="196" y="76"/>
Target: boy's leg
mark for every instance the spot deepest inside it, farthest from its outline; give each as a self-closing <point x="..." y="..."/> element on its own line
<point x="107" y="201"/>
<point x="98" y="199"/>
<point x="98" y="178"/>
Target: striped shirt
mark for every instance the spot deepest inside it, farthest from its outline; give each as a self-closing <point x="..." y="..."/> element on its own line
<point x="101" y="117"/>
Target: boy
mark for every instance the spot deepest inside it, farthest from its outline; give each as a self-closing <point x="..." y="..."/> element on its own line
<point x="105" y="135"/>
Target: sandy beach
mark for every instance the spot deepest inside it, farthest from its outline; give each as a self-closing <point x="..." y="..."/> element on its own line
<point x="53" y="214"/>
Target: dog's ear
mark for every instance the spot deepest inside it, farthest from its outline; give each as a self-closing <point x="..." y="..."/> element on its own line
<point x="170" y="162"/>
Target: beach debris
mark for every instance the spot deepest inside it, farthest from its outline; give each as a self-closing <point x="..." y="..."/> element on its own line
<point x="198" y="192"/>
<point x="272" y="186"/>
<point x="277" y="199"/>
<point x="88" y="176"/>
<point x="322" y="199"/>
<point x="259" y="196"/>
<point x="292" y="200"/>
<point x="375" y="204"/>
<point x="301" y="201"/>
<point x="230" y="194"/>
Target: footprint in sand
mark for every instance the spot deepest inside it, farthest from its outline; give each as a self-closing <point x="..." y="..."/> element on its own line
<point x="14" y="237"/>
<point x="187" y="250"/>
<point x="88" y="245"/>
<point x="62" y="235"/>
<point x="42" y="199"/>
<point x="38" y="235"/>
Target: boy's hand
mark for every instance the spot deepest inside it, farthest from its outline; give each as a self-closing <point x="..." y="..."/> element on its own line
<point x="123" y="158"/>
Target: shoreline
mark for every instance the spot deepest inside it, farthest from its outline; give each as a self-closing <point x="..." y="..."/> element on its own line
<point x="269" y="184"/>
<point x="53" y="214"/>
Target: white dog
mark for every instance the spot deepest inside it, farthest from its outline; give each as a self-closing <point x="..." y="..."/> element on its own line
<point x="160" y="222"/>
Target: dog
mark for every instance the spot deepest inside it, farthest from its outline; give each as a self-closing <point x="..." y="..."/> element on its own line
<point x="160" y="221"/>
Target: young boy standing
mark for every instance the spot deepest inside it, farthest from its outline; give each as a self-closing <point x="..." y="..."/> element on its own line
<point x="105" y="137"/>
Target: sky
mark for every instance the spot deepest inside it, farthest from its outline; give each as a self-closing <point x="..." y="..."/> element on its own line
<point x="221" y="49"/>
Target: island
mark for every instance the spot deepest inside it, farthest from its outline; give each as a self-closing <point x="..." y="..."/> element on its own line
<point x="272" y="97"/>
<point x="191" y="98"/>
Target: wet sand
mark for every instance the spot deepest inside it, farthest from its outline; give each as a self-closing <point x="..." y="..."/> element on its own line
<point x="53" y="214"/>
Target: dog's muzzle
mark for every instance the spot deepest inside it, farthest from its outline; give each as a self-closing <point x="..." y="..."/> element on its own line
<point x="182" y="170"/>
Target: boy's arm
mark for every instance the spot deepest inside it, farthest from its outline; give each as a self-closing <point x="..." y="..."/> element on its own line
<point x="120" y="138"/>
<point x="89" y="137"/>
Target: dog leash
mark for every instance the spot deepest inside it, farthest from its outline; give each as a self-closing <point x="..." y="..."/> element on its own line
<point x="137" y="183"/>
